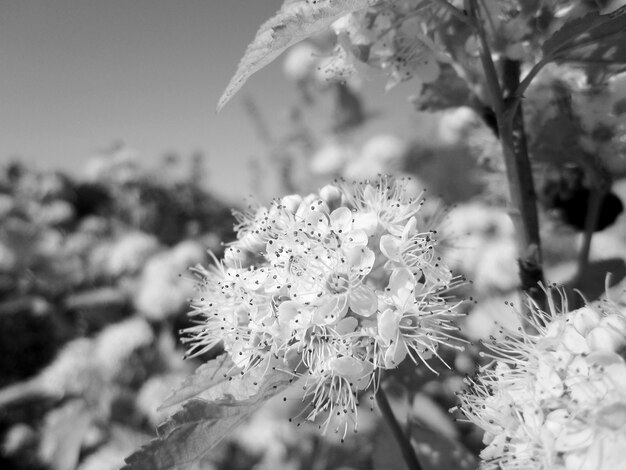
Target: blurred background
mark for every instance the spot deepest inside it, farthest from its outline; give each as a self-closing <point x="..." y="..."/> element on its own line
<point x="117" y="175"/>
<point x="81" y="77"/>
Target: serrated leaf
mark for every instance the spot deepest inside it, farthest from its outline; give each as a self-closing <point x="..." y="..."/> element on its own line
<point x="206" y="376"/>
<point x="195" y="430"/>
<point x="204" y="421"/>
<point x="593" y="39"/>
<point x="295" y="21"/>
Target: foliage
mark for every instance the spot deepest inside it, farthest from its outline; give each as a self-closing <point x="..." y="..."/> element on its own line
<point x="75" y="348"/>
<point x="554" y="398"/>
<point x="205" y="420"/>
<point x="295" y="21"/>
<point x="476" y="52"/>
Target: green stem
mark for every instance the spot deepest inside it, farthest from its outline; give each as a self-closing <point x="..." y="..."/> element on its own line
<point x="404" y="441"/>
<point x="509" y="115"/>
<point x="491" y="75"/>
<point x="521" y="184"/>
<point x="597" y="193"/>
<point x="591" y="221"/>
<point x="518" y="94"/>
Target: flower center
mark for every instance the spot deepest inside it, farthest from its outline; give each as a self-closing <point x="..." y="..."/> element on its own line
<point x="337" y="283"/>
<point x="408" y="322"/>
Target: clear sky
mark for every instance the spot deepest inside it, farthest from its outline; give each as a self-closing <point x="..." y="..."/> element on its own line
<point x="79" y="75"/>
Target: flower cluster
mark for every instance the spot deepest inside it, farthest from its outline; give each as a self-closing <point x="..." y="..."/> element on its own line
<point x="389" y="37"/>
<point x="333" y="287"/>
<point x="555" y="398"/>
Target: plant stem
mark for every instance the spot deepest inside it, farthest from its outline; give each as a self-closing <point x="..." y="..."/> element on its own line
<point x="521" y="184"/>
<point x="518" y="94"/>
<point x="509" y="116"/>
<point x="591" y="221"/>
<point x="404" y="441"/>
<point x="600" y="183"/>
<point x="491" y="75"/>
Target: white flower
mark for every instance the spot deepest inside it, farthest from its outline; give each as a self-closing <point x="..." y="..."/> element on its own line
<point x="414" y="55"/>
<point x="554" y="399"/>
<point x="413" y="321"/>
<point x="414" y="250"/>
<point x="309" y="284"/>
<point x="162" y="291"/>
<point x="382" y="205"/>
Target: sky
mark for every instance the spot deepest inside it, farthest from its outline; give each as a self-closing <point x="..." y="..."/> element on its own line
<point x="77" y="76"/>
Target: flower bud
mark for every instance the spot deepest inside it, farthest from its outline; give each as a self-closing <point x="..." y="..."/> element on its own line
<point x="584" y="319"/>
<point x="603" y="338"/>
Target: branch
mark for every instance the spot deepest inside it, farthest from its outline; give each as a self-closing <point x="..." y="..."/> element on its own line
<point x="521" y="185"/>
<point x="600" y="183"/>
<point x="491" y="75"/>
<point x="523" y="86"/>
<point x="518" y="168"/>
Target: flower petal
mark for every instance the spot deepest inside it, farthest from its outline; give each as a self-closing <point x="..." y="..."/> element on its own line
<point x="341" y="220"/>
<point x="363" y="300"/>
<point x="401" y="286"/>
<point x="388" y="322"/>
<point x="347" y="325"/>
<point x="390" y="247"/>
<point x="286" y="312"/>
<point x="360" y="259"/>
<point x="366" y="221"/>
<point x="331" y="310"/>
<point x="395" y="354"/>
<point x="347" y="367"/>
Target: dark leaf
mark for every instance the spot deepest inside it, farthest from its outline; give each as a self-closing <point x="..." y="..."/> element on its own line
<point x="450" y="91"/>
<point x="593" y="39"/>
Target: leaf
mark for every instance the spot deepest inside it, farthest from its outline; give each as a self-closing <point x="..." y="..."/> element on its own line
<point x="593" y="39"/>
<point x="557" y="142"/>
<point x="612" y="6"/>
<point x="295" y="21"/>
<point x="204" y="421"/>
<point x="556" y="139"/>
<point x="206" y="376"/>
<point x="450" y="91"/>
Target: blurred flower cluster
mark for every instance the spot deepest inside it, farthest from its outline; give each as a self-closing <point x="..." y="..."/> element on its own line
<point x="336" y="286"/>
<point x="91" y="293"/>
